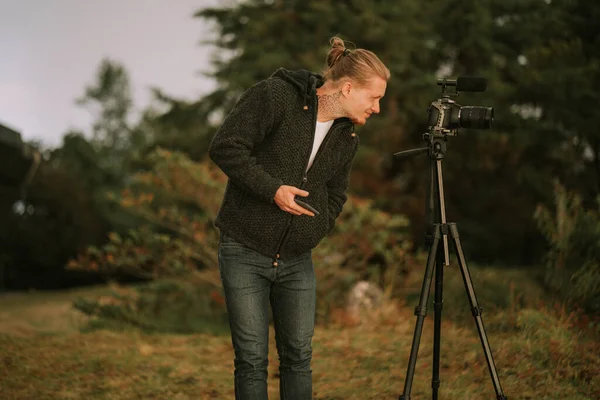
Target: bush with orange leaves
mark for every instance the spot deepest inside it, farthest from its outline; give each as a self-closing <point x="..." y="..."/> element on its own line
<point x="178" y="199"/>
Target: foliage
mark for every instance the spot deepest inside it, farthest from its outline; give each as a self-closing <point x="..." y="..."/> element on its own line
<point x="104" y="161"/>
<point x="174" y="250"/>
<point x="110" y="99"/>
<point x="367" y="244"/>
<point x="539" y="58"/>
<point x="499" y="290"/>
<point x="180" y="126"/>
<point x="541" y="62"/>
<point x="573" y="259"/>
<point x="179" y="198"/>
<point x="176" y="198"/>
<point x="176" y="306"/>
<point x="67" y="209"/>
<point x="39" y="233"/>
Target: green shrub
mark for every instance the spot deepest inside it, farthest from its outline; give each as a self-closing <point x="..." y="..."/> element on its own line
<point x="367" y="244"/>
<point x="159" y="306"/>
<point x="179" y="199"/>
<point x="573" y="260"/>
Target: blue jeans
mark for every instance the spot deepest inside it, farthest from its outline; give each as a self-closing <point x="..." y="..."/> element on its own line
<point x="251" y="283"/>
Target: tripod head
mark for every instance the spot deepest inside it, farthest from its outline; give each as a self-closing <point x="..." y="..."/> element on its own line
<point x="436" y="148"/>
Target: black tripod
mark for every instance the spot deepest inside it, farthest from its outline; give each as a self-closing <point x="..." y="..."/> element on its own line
<point x="438" y="229"/>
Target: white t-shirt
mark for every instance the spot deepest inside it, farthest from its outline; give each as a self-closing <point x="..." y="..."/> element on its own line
<point x="320" y="133"/>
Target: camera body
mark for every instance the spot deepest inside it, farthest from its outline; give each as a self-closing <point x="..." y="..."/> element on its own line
<point x="446" y="116"/>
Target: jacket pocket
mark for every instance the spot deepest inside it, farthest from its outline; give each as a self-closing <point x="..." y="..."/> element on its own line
<point x="307" y="232"/>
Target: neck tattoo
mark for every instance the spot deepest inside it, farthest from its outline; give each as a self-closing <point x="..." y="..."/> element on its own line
<point x="331" y="106"/>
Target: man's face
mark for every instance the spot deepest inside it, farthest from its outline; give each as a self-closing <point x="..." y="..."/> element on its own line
<point x="361" y="101"/>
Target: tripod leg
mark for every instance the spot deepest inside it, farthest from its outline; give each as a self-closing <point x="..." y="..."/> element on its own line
<point x="442" y="261"/>
<point x="421" y="312"/>
<point x="476" y="310"/>
<point x="437" y="306"/>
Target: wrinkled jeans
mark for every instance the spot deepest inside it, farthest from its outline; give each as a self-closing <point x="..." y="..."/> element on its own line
<point x="251" y="283"/>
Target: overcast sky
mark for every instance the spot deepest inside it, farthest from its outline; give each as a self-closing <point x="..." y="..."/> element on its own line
<point x="51" y="49"/>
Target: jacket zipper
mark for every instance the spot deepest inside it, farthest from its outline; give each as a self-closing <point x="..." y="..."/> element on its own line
<point x="304" y="180"/>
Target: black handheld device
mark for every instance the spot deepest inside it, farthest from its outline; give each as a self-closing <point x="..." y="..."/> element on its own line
<point x="307" y="206"/>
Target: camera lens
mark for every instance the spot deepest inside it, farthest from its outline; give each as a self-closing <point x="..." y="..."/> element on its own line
<point x="476" y="117"/>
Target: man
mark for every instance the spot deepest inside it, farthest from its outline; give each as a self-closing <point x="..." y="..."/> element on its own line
<point x="288" y="138"/>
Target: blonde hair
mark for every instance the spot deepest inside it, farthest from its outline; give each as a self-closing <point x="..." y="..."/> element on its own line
<point x="359" y="65"/>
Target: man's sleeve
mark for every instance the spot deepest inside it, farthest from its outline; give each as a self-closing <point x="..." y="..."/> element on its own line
<point x="244" y="128"/>
<point x="337" y="187"/>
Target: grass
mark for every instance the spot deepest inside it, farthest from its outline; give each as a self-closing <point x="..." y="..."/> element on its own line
<point x="540" y="351"/>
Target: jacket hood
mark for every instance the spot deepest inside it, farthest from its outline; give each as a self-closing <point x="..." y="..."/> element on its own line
<point x="304" y="81"/>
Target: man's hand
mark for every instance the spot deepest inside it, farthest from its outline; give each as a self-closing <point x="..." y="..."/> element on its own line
<point x="284" y="198"/>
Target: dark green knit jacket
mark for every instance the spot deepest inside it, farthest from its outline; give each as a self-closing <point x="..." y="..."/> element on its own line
<point x="265" y="142"/>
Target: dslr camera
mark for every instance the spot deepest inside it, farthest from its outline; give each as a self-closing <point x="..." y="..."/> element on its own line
<point x="446" y="116"/>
